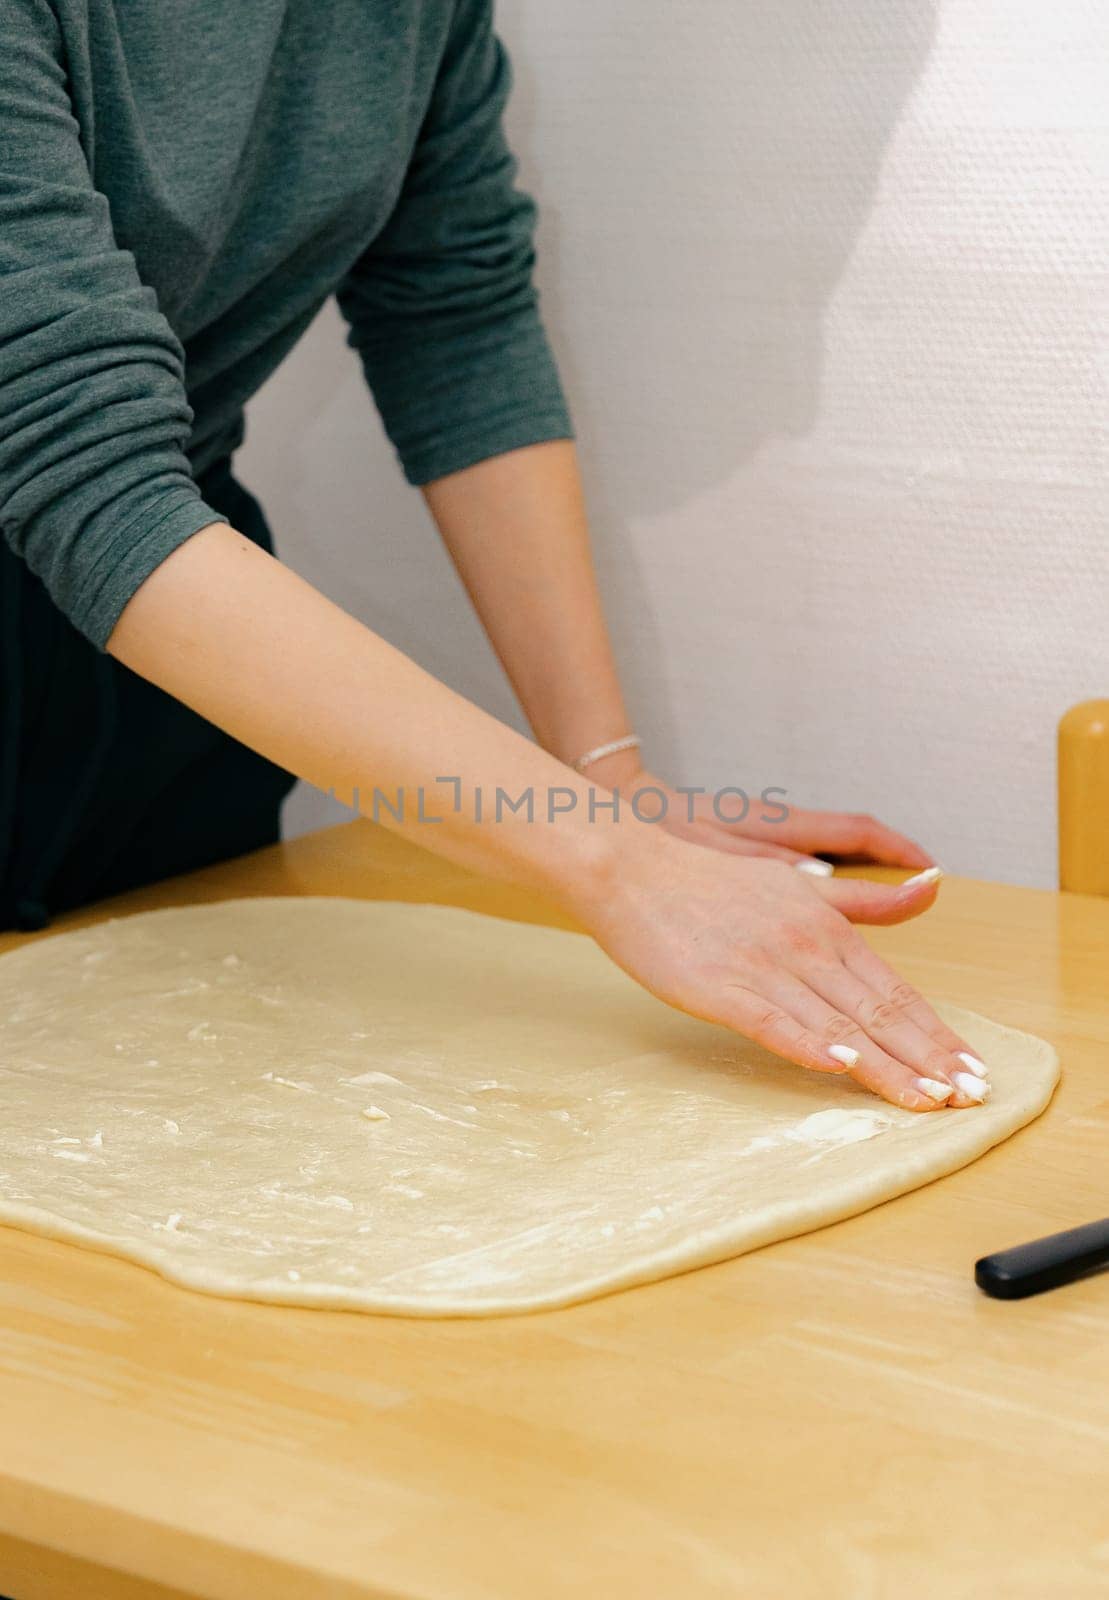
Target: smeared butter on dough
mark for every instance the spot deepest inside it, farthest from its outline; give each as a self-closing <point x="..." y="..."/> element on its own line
<point x="188" y="1088"/>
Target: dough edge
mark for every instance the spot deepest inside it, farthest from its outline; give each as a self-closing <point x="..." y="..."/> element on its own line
<point x="788" y="1219"/>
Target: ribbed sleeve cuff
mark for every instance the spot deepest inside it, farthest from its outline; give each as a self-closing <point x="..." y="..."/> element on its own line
<point x="152" y="531"/>
<point x="450" y="397"/>
<point x="483" y="437"/>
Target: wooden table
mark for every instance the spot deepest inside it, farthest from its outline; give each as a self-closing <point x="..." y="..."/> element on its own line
<point x="840" y="1415"/>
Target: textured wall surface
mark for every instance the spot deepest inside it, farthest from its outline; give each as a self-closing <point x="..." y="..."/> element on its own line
<point x="827" y="282"/>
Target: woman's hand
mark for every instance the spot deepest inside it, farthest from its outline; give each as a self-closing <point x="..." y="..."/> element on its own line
<point x="770" y="952"/>
<point x="761" y="828"/>
<point x="743" y="941"/>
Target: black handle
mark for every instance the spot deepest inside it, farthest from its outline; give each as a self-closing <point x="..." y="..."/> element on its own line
<point x="1044" y="1263"/>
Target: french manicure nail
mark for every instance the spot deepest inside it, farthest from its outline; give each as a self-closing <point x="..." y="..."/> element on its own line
<point x="973" y="1088"/>
<point x="929" y="875"/>
<point x="972" y="1063"/>
<point x="844" y="1053"/>
<point x="819" y="869"/>
<point x="933" y="1088"/>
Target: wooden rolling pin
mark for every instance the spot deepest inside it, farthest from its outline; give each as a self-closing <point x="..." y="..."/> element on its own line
<point x="1084" y="798"/>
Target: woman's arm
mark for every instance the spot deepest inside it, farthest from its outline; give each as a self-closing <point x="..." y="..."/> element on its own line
<point x="745" y="942"/>
<point x="516" y="529"/>
<point x="244" y="641"/>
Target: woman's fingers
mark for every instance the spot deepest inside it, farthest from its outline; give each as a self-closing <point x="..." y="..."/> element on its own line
<point x="840" y="833"/>
<point x="737" y="845"/>
<point x="710" y="836"/>
<point x="790" y="1018"/>
<point x="761" y="1018"/>
<point x="933" y="1067"/>
<point x="880" y="903"/>
<point x="906" y="1068"/>
<point x="734" y="844"/>
<point x="971" y="1074"/>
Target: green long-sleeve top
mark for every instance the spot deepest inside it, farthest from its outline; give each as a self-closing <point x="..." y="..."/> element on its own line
<point x="182" y="186"/>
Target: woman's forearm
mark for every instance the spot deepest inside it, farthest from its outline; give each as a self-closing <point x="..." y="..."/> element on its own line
<point x="241" y="639"/>
<point x="744" y="942"/>
<point x="515" y="526"/>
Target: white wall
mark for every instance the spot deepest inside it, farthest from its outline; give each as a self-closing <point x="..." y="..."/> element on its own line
<point x="826" y="280"/>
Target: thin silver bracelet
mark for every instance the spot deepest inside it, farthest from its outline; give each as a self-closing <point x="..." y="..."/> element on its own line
<point x="631" y="741"/>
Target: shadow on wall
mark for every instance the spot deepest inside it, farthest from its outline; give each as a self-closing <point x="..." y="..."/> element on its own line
<point x="724" y="160"/>
<point x="703" y="172"/>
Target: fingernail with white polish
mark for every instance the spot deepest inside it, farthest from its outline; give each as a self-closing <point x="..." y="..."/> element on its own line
<point x="844" y="1053"/>
<point x="933" y="1088"/>
<point x="973" y="1088"/>
<point x="929" y="875"/>
<point x="972" y="1063"/>
<point x="819" y="869"/>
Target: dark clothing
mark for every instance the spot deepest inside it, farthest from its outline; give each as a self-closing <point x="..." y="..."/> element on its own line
<point x="182" y="187"/>
<point x="110" y="783"/>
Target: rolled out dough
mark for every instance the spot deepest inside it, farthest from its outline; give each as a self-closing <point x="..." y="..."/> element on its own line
<point x="420" y="1110"/>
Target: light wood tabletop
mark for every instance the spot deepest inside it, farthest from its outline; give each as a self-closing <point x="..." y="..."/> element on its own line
<point x="838" y="1415"/>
